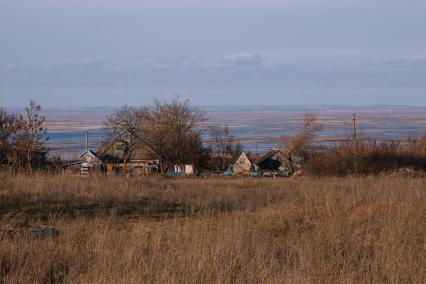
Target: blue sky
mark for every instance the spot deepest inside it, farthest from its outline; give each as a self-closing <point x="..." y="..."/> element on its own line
<point x="108" y="53"/>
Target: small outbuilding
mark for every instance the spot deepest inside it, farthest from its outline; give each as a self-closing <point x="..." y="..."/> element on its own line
<point x="89" y="157"/>
<point x="87" y="163"/>
<point x="187" y="170"/>
<point x="241" y="164"/>
<point x="91" y="163"/>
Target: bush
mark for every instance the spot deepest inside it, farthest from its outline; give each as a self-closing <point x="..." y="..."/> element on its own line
<point x="367" y="160"/>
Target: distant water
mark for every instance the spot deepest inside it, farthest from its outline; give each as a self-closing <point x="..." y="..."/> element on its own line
<point x="77" y="136"/>
<point x="257" y="127"/>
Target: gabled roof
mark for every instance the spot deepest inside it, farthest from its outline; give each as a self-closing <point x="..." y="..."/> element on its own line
<point x="117" y="139"/>
<point x="238" y="157"/>
<point x="90" y="152"/>
<point x="268" y="155"/>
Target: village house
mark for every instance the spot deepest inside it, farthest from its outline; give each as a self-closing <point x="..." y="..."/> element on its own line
<point x="278" y="162"/>
<point x="273" y="162"/>
<point x="241" y="164"/>
<point x="120" y="155"/>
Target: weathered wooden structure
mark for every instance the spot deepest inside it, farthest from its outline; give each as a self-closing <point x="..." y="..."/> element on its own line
<point x="90" y="163"/>
<point x="271" y="161"/>
<point x="126" y="154"/>
<point x="277" y="161"/>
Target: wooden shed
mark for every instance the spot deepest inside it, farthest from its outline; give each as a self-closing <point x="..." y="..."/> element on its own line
<point x="88" y="156"/>
<point x="90" y="163"/>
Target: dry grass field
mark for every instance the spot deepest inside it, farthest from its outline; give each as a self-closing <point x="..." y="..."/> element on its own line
<point x="299" y="230"/>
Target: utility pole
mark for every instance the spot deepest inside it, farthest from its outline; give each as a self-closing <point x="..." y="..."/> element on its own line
<point x="355" y="144"/>
<point x="87" y="140"/>
<point x="354" y="120"/>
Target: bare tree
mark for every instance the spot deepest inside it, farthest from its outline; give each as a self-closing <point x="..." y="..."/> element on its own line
<point x="172" y="130"/>
<point x="296" y="146"/>
<point x="422" y="145"/>
<point x="127" y="119"/>
<point x="224" y="145"/>
<point x="221" y="136"/>
<point x="28" y="141"/>
<point x="8" y="126"/>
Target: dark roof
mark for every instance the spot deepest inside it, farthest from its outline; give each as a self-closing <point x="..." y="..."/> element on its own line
<point x="72" y="164"/>
<point x="267" y="156"/>
<point x="102" y="152"/>
<point x="143" y="153"/>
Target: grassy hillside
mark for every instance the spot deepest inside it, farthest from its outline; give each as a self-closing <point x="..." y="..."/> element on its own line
<point x="120" y="230"/>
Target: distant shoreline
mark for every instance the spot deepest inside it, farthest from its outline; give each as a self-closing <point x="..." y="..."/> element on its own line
<point x="227" y="108"/>
<point x="257" y="127"/>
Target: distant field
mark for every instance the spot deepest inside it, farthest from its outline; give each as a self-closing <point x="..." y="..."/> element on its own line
<point x="257" y="128"/>
<point x="301" y="230"/>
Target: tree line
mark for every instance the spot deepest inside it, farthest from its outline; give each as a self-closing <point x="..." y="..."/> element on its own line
<point x="173" y="130"/>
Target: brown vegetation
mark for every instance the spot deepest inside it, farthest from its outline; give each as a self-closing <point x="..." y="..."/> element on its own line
<point x="224" y="149"/>
<point x="366" y="157"/>
<point x="116" y="230"/>
<point x="22" y="139"/>
<point x="170" y="129"/>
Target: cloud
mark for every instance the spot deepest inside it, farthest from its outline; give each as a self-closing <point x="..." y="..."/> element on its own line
<point x="182" y="62"/>
<point x="95" y="62"/>
<point x="244" y="59"/>
<point x="420" y="57"/>
<point x="9" y="67"/>
<point x="202" y="62"/>
<point x="236" y="74"/>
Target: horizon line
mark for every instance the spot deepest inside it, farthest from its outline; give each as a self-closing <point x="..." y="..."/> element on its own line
<point x="234" y="105"/>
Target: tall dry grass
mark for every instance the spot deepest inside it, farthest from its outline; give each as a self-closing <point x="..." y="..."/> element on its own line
<point x="306" y="230"/>
<point x="366" y="157"/>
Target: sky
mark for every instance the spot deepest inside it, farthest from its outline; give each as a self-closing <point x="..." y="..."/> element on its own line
<point x="234" y="52"/>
